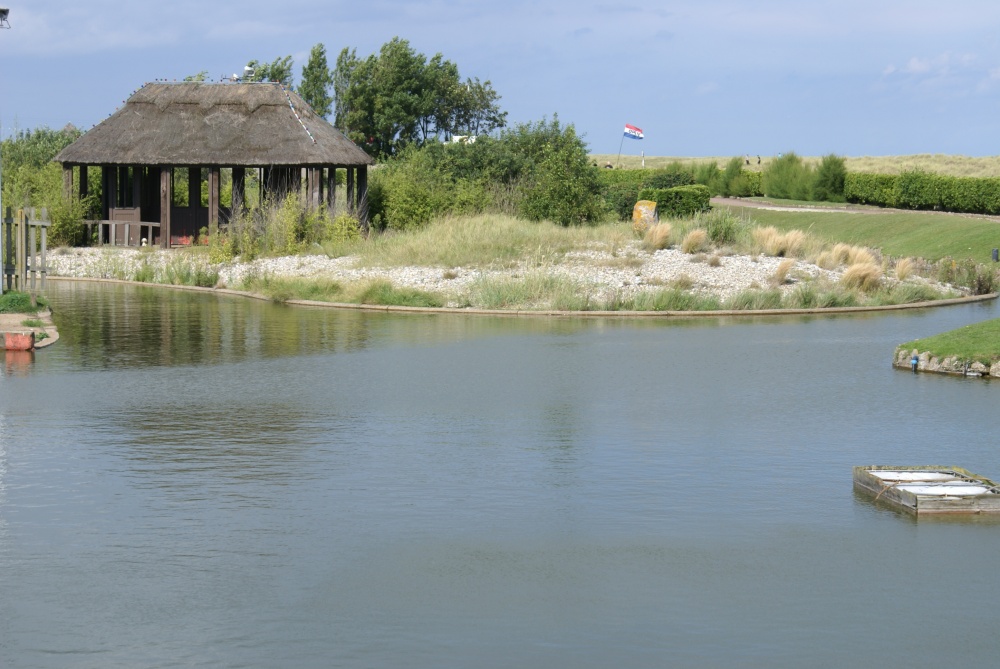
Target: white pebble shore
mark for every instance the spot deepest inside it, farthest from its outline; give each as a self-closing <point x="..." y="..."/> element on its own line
<point x="598" y="272"/>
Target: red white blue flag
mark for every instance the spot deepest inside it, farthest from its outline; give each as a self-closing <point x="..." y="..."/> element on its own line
<point x="633" y="132"/>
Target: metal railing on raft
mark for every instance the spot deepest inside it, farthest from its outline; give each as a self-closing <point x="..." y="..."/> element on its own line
<point x="23" y="258"/>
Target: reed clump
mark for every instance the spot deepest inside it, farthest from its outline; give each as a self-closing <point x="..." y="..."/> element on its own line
<point x="657" y="237"/>
<point x="694" y="241"/>
<point x="866" y="277"/>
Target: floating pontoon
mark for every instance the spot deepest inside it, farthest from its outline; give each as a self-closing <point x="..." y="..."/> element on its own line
<point x="929" y="489"/>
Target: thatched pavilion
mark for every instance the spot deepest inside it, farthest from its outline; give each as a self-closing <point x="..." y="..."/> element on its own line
<point x="199" y="126"/>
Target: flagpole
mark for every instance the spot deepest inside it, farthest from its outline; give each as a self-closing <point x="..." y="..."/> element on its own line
<point x="620" y="145"/>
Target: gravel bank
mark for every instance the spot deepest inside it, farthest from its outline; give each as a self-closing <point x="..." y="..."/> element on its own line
<point x="600" y="273"/>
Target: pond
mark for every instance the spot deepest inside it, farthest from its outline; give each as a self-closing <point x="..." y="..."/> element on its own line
<point x="189" y="479"/>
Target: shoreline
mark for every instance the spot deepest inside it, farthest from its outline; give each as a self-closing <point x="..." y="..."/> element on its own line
<point x="351" y="306"/>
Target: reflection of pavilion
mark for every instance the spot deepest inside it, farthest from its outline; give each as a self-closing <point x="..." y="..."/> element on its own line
<point x="163" y="127"/>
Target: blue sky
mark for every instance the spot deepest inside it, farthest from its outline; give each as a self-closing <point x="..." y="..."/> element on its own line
<point x="714" y="77"/>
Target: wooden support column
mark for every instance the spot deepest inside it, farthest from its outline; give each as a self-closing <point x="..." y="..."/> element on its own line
<point x="194" y="187"/>
<point x="351" y="204"/>
<point x="239" y="192"/>
<point x="331" y="187"/>
<point x="67" y="171"/>
<point x="214" y="178"/>
<point x="363" y="196"/>
<point x="314" y="186"/>
<point x="166" y="200"/>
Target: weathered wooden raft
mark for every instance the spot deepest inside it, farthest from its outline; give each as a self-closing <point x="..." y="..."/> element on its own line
<point x="929" y="489"/>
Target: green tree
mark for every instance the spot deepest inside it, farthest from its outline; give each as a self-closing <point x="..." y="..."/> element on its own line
<point x="347" y="62"/>
<point x="316" y="82"/>
<point x="478" y="110"/>
<point x="279" y="70"/>
<point x="562" y="185"/>
<point x="383" y="98"/>
<point x="399" y="97"/>
<point x="201" y="76"/>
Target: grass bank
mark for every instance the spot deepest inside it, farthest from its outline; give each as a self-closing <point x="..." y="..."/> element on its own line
<point x="16" y="302"/>
<point x="927" y="235"/>
<point x="972" y="343"/>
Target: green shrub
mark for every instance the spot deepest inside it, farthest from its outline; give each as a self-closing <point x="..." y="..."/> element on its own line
<point x="733" y="171"/>
<point x="870" y="188"/>
<point x="709" y="175"/>
<point x="619" y="189"/>
<point x="922" y="190"/>
<point x="16" y="302"/>
<point x="828" y="184"/>
<point x="788" y="178"/>
<point x="746" y="184"/>
<point x="723" y="226"/>
<point x="671" y="176"/>
<point x="678" y="202"/>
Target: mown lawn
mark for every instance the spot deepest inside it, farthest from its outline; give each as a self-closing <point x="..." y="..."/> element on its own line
<point x="915" y="234"/>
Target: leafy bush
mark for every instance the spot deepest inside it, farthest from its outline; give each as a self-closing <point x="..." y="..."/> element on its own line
<point x="619" y="189"/>
<point x="922" y="190"/>
<point x="828" y="184"/>
<point x="723" y="227"/>
<point x="678" y="202"/>
<point x="746" y="184"/>
<point x="709" y="175"/>
<point x="788" y="178"/>
<point x="870" y="188"/>
<point x="16" y="302"/>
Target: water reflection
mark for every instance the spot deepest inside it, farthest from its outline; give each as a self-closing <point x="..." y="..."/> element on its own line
<point x="17" y="363"/>
<point x="198" y="480"/>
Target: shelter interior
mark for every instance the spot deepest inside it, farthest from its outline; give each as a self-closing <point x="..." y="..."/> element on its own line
<point x="174" y="205"/>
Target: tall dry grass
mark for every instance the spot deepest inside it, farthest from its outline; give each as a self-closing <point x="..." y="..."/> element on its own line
<point x="769" y="241"/>
<point x="866" y="277"/>
<point x="657" y="237"/>
<point x="694" y="241"/>
<point x="781" y="272"/>
<point x="905" y="267"/>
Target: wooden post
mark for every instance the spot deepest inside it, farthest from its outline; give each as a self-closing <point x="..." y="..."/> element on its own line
<point x="214" y="178"/>
<point x="239" y="192"/>
<point x="331" y="187"/>
<point x="363" y="196"/>
<point x="166" y="200"/>
<point x="351" y="205"/>
<point x="67" y="171"/>
<point x="314" y="184"/>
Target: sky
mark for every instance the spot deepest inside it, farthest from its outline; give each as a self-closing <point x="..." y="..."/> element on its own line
<point x="705" y="78"/>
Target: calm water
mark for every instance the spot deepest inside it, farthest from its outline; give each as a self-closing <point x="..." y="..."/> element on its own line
<point x="188" y="480"/>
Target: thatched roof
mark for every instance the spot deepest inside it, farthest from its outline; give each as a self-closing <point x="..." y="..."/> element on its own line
<point x="198" y="124"/>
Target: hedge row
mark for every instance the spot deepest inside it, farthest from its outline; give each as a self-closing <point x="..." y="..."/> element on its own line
<point x="921" y="190"/>
<point x="679" y="201"/>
